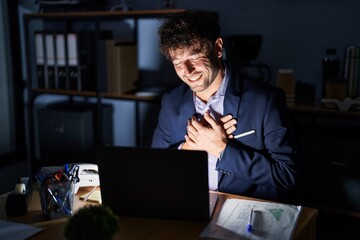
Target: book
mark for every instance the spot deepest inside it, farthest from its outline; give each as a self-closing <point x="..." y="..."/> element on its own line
<point x="122" y="69"/>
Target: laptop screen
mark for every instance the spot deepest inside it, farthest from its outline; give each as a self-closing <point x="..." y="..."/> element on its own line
<point x="156" y="183"/>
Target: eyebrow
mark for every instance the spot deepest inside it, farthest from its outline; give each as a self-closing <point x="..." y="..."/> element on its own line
<point x="192" y="53"/>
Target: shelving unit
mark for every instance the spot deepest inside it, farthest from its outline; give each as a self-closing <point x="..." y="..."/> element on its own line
<point x="94" y="18"/>
<point x="328" y="142"/>
<point x="66" y="22"/>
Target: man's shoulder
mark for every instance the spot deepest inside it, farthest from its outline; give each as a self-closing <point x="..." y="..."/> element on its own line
<point x="176" y="91"/>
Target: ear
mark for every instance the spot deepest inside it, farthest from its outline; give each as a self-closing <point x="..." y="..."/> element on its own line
<point x="218" y="48"/>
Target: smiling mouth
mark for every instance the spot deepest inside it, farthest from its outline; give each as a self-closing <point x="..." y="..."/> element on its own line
<point x="194" y="79"/>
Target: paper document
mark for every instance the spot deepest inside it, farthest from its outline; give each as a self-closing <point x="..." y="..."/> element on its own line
<point x="95" y="197"/>
<point x="17" y="231"/>
<point x="267" y="220"/>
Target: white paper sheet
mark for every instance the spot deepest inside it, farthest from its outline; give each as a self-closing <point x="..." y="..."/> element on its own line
<point x="16" y="231"/>
<point x="270" y="221"/>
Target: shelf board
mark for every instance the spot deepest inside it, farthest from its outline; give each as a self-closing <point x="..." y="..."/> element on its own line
<point x="132" y="96"/>
<point x="65" y="92"/>
<point x="105" y="14"/>
<point x="125" y="96"/>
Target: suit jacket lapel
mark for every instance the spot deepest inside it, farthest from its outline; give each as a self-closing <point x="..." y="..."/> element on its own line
<point x="187" y="107"/>
<point x="232" y="104"/>
<point x="233" y="96"/>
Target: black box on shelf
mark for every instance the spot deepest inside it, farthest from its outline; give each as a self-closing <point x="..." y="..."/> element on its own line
<point x="69" y="132"/>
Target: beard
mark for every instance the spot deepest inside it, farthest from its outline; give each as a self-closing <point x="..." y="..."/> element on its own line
<point x="205" y="80"/>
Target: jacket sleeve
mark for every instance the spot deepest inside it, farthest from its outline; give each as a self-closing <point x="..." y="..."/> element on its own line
<point x="161" y="136"/>
<point x="274" y="163"/>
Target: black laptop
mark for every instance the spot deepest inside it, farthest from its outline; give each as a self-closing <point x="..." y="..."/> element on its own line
<point x="155" y="183"/>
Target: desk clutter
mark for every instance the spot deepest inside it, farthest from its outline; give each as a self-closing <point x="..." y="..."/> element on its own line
<point x="57" y="190"/>
<point x="59" y="184"/>
<point x="347" y="104"/>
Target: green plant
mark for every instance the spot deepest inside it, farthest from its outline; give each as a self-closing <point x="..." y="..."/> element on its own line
<point x="92" y="222"/>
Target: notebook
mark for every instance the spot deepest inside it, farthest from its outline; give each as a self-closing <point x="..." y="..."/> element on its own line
<point x="155" y="183"/>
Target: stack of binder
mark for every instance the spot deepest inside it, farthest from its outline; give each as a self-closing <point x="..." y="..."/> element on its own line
<point x="66" y="60"/>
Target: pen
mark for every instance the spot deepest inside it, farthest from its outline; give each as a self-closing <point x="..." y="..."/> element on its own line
<point x="87" y="196"/>
<point x="249" y="226"/>
<point x="53" y="196"/>
<point x="244" y="134"/>
<point x="64" y="201"/>
<point x="66" y="166"/>
<point x="58" y="201"/>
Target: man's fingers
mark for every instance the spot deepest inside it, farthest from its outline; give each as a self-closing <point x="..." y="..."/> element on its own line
<point x="210" y="120"/>
<point x="195" y="123"/>
<point x="230" y="130"/>
<point x="226" y="118"/>
<point x="230" y="126"/>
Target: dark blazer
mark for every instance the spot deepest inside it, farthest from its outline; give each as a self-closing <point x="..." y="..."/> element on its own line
<point x="262" y="164"/>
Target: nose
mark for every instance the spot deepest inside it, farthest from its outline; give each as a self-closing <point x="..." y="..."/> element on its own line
<point x="189" y="67"/>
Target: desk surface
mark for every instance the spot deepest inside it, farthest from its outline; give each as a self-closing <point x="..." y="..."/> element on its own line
<point x="145" y="228"/>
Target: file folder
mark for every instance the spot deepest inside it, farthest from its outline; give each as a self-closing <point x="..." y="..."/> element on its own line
<point x="50" y="61"/>
<point x="40" y="60"/>
<point x="74" y="82"/>
<point x="61" y="73"/>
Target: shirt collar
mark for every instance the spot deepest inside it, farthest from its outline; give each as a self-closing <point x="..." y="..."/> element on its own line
<point x="222" y="89"/>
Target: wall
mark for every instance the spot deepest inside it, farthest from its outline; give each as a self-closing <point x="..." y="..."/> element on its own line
<point x="11" y="167"/>
<point x="6" y="140"/>
<point x="295" y="33"/>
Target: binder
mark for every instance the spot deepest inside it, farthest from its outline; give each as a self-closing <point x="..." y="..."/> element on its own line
<point x="61" y="73"/>
<point x="50" y="61"/>
<point x="87" y="56"/>
<point x="73" y="62"/>
<point x="122" y="69"/>
<point x="81" y="59"/>
<point x="40" y="60"/>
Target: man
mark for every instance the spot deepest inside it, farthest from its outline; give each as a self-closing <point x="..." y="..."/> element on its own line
<point x="241" y="124"/>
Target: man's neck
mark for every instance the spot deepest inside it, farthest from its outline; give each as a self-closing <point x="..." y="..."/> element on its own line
<point x="213" y="88"/>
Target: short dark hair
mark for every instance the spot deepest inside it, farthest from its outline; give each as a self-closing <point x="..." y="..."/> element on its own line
<point x="187" y="28"/>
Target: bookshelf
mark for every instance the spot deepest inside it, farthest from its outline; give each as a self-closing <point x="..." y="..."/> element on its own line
<point x="69" y="22"/>
<point x="65" y="22"/>
<point x="328" y="143"/>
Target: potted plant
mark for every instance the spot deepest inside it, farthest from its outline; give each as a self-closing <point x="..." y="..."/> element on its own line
<point x="92" y="222"/>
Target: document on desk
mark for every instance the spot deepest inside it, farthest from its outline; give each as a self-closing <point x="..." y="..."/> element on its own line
<point x="245" y="219"/>
<point x="17" y="231"/>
